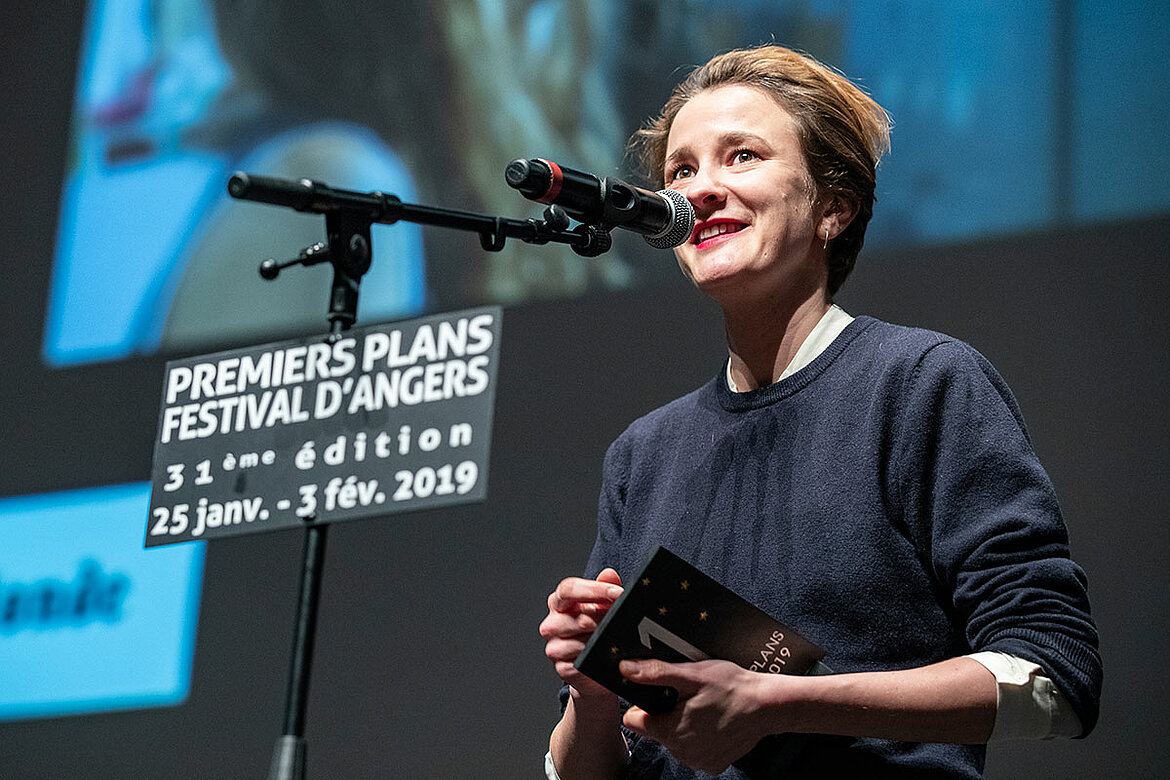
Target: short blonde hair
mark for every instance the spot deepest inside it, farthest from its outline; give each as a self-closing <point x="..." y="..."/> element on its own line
<point x="843" y="132"/>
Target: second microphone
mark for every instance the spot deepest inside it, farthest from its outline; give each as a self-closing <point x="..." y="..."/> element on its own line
<point x="664" y="218"/>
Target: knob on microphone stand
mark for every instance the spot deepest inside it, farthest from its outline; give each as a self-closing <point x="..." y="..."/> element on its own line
<point x="310" y="255"/>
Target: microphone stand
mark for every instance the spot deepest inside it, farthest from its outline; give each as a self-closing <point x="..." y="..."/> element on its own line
<point x="348" y="217"/>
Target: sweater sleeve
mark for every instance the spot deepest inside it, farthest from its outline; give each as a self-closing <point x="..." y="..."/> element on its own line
<point x="985" y="515"/>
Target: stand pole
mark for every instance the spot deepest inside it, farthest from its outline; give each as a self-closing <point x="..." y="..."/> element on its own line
<point x="349" y="251"/>
<point x="288" y="758"/>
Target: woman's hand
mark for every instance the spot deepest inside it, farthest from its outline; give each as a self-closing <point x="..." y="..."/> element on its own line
<point x="574" y="610"/>
<point x="718" y="716"/>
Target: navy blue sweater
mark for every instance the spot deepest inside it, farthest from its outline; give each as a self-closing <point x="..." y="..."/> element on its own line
<point x="885" y="501"/>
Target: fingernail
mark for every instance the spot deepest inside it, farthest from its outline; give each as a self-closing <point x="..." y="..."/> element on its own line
<point x="629" y="668"/>
<point x="614" y="591"/>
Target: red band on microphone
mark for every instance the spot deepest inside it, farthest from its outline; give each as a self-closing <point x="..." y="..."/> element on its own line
<point x="554" y="188"/>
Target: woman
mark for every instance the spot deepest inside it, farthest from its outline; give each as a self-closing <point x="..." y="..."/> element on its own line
<point x="868" y="484"/>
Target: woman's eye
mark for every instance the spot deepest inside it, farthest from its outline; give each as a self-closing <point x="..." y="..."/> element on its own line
<point x="681" y="172"/>
<point x="745" y="155"/>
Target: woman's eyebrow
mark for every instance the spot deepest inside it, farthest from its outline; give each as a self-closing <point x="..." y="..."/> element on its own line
<point x="730" y="138"/>
<point x="743" y="138"/>
<point x="679" y="153"/>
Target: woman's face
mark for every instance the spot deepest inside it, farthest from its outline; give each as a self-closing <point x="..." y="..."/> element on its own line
<point x="735" y="153"/>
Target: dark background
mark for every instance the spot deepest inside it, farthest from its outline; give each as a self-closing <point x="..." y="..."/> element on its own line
<point x="428" y="662"/>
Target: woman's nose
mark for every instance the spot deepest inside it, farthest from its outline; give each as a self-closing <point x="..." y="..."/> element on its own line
<point x="705" y="189"/>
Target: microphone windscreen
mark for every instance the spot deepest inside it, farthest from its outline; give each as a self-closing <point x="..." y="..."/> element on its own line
<point x="680" y="227"/>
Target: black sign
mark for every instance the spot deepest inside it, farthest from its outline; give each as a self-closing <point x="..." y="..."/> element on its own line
<point x="375" y="420"/>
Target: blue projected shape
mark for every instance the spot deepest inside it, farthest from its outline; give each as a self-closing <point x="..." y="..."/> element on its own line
<point x="120" y="231"/>
<point x="89" y="620"/>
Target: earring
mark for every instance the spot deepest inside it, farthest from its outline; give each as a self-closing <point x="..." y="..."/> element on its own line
<point x="826" y="238"/>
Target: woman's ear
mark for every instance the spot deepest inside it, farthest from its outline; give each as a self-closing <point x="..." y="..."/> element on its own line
<point x="836" y="214"/>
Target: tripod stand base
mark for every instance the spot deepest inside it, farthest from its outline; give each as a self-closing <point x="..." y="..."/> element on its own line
<point x="288" y="759"/>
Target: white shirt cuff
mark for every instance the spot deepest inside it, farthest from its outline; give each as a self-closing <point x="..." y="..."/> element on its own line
<point x="1028" y="704"/>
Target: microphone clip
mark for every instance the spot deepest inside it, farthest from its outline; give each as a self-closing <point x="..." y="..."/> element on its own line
<point x="597" y="240"/>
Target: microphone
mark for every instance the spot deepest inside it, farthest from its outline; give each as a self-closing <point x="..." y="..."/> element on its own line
<point x="664" y="218"/>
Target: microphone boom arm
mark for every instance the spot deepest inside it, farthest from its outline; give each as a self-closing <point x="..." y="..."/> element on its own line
<point x="315" y="197"/>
